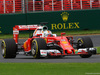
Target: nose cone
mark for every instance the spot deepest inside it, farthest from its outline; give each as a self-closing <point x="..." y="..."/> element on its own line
<point x="68" y="51"/>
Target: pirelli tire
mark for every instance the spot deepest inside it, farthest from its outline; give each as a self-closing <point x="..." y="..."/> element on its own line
<point x="36" y="46"/>
<point x="9" y="48"/>
<point x="85" y="42"/>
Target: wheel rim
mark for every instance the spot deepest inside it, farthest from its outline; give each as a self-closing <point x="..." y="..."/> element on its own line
<point x="33" y="51"/>
<point x="3" y="48"/>
<point x="33" y="48"/>
<point x="3" y="51"/>
<point x="80" y="43"/>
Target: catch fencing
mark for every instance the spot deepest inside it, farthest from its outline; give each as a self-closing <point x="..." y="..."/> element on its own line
<point x="26" y="6"/>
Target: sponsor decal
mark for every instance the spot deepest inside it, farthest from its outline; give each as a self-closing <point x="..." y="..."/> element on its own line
<point x="65" y="16"/>
<point x="64" y="42"/>
<point x="50" y="40"/>
<point x="15" y="31"/>
<point x="27" y="26"/>
<point x="65" y="24"/>
<point x="67" y="46"/>
<point x="22" y="26"/>
<point x="43" y="53"/>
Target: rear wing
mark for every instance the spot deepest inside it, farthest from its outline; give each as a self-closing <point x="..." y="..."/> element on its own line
<point x="18" y="28"/>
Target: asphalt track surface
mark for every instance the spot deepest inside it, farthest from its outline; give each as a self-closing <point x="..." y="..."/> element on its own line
<point x="66" y="59"/>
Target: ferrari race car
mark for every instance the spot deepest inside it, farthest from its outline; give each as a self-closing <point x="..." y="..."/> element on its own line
<point x="42" y="43"/>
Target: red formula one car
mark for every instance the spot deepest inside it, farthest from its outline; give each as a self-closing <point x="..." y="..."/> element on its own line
<point x="43" y="43"/>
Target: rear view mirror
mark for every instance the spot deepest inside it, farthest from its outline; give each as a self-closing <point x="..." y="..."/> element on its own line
<point x="63" y="33"/>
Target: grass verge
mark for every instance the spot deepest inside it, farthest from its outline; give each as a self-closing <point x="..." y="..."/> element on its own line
<point x="49" y="68"/>
<point x="98" y="49"/>
<point x="79" y="32"/>
<point x="72" y="32"/>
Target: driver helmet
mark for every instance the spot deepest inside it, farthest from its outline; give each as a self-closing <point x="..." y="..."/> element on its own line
<point x="45" y="28"/>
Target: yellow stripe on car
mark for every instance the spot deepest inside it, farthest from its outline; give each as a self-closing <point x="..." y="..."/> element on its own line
<point x="4" y="49"/>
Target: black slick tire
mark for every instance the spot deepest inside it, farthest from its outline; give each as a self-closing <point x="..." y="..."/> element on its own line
<point x="36" y="46"/>
<point x="85" y="42"/>
<point x="9" y="48"/>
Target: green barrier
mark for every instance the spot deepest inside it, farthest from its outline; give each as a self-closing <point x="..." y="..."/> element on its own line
<point x="57" y="20"/>
<point x="67" y="20"/>
<point x="8" y="21"/>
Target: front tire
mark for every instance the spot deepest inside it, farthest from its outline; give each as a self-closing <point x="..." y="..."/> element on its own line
<point x="37" y="45"/>
<point x="84" y="42"/>
<point x="9" y="48"/>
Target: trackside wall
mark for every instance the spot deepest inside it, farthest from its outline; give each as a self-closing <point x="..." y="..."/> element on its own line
<point x="58" y="20"/>
<point x="8" y="21"/>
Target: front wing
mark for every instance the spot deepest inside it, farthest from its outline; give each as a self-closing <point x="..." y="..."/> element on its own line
<point x="54" y="52"/>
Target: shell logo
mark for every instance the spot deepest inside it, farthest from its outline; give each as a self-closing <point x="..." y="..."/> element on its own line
<point x="64" y="42"/>
<point x="67" y="46"/>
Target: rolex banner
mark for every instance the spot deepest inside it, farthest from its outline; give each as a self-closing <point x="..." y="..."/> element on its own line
<point x="57" y="20"/>
<point x="67" y="20"/>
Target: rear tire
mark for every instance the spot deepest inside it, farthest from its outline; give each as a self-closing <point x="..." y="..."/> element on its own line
<point x="9" y="48"/>
<point x="85" y="42"/>
<point x="37" y="45"/>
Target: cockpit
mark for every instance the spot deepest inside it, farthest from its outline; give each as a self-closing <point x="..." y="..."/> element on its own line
<point x="43" y="31"/>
